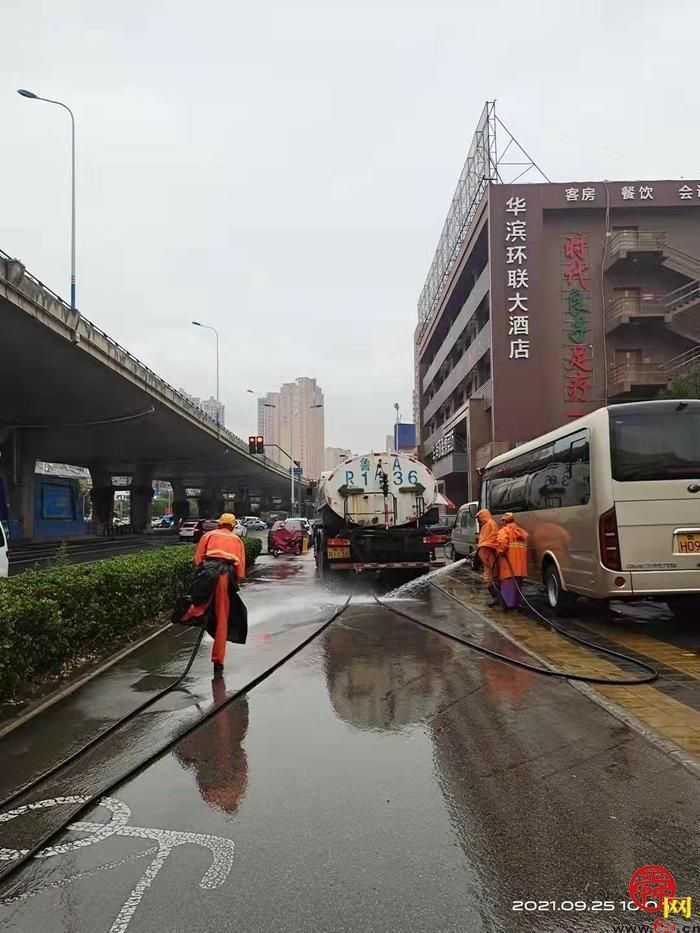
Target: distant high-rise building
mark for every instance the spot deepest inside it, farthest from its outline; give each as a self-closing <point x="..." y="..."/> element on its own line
<point x="193" y="398"/>
<point x="333" y="456"/>
<point x="294" y="404"/>
<point x="211" y="407"/>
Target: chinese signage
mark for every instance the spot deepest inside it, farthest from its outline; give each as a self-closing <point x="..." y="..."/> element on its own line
<point x="668" y="192"/>
<point x="517" y="278"/>
<point x="444" y="446"/>
<point x="577" y="357"/>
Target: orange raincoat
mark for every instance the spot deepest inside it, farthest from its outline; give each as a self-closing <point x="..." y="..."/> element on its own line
<point x="512" y="542"/>
<point x="220" y="544"/>
<point x="488" y="541"/>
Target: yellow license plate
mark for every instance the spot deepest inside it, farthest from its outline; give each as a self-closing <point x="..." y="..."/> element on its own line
<point x="688" y="544"/>
<point x="338" y="553"/>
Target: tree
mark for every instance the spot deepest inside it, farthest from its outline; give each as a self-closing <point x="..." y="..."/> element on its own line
<point x="685" y="385"/>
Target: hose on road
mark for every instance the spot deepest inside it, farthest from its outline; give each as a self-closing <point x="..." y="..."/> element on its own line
<point x="101" y="736"/>
<point x="131" y="772"/>
<point x="651" y="675"/>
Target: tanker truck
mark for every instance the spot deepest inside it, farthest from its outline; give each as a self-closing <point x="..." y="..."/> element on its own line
<point x="373" y="513"/>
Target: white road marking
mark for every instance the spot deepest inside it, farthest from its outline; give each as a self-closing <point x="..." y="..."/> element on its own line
<point x="222" y="851"/>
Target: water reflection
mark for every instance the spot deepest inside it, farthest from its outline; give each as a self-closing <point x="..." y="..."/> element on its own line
<point x="380" y="680"/>
<point x="216" y="755"/>
<point x="536" y="780"/>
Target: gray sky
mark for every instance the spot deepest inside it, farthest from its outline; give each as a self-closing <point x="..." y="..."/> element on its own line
<point x="282" y="170"/>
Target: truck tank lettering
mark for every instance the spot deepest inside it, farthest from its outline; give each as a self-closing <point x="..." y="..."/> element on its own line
<point x="349" y="476"/>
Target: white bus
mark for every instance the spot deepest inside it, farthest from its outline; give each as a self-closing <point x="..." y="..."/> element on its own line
<point x="611" y="503"/>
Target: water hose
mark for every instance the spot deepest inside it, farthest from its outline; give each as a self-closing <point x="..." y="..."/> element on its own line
<point x="50" y="772"/>
<point x="93" y="800"/>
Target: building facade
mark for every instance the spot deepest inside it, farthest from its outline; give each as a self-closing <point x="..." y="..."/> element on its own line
<point x="214" y="409"/>
<point x="332" y="456"/>
<point x="292" y="421"/>
<point x="560" y="298"/>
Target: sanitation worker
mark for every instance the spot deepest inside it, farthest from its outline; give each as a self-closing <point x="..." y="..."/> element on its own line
<point x="220" y="563"/>
<point x="486" y="546"/>
<point x="512" y="560"/>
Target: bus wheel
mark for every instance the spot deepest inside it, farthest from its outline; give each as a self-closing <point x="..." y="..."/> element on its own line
<point x="561" y="602"/>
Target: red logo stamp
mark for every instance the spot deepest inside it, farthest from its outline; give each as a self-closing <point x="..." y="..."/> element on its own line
<point x="661" y="925"/>
<point x="651" y="883"/>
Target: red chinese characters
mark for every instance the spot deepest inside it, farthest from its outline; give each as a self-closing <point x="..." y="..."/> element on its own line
<point x="577" y="350"/>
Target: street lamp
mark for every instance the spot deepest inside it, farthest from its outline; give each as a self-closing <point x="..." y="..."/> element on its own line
<point x="396" y="429"/>
<point x="291" y="442"/>
<point x="23" y="92"/>
<point x="218" y="400"/>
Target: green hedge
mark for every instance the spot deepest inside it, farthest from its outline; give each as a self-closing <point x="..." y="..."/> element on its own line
<point x="49" y="617"/>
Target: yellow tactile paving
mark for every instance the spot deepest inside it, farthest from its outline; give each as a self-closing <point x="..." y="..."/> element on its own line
<point x="688" y="662"/>
<point x="666" y="716"/>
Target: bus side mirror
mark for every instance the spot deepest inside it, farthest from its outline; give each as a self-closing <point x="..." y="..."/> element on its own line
<point x="473" y="509"/>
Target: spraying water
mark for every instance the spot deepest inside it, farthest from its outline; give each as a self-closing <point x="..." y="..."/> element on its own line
<point x="413" y="587"/>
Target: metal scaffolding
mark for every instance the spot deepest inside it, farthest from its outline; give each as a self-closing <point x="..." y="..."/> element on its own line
<point x="482" y="167"/>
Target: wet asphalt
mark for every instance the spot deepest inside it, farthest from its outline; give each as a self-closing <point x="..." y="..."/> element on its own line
<point x="384" y="779"/>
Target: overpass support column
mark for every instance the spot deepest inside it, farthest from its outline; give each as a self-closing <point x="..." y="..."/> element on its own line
<point x="102" y="497"/>
<point x="181" y="505"/>
<point x="22" y="460"/>
<point x="141" y="490"/>
<point x="210" y="502"/>
<point x="242" y="502"/>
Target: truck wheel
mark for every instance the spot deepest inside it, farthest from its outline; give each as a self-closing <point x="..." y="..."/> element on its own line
<point x="561" y="602"/>
<point x="320" y="555"/>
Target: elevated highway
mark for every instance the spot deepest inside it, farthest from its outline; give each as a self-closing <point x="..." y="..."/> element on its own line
<point x="70" y="393"/>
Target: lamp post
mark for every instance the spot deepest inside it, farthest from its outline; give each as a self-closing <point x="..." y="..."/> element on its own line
<point x="291" y="443"/>
<point x="396" y="429"/>
<point x="23" y="92"/>
<point x="218" y="400"/>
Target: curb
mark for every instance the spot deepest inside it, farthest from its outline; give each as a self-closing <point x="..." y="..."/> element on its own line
<point x="669" y="748"/>
<point x="61" y="693"/>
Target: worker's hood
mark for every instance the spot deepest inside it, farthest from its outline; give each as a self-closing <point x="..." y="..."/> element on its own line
<point x="516" y="533"/>
<point x="483" y="515"/>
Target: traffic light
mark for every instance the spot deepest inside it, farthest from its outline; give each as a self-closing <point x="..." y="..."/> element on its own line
<point x="259" y="444"/>
<point x="385" y="484"/>
<point x="252" y="441"/>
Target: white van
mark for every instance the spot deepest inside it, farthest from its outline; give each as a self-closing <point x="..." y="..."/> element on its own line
<point x="4" y="560"/>
<point x="611" y="503"/>
<point x="464" y="531"/>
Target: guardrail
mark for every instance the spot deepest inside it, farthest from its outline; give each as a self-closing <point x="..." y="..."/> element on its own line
<point x="628" y="373"/>
<point x="686" y="294"/>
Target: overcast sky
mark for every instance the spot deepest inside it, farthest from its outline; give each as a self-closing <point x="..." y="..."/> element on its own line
<point x="282" y="170"/>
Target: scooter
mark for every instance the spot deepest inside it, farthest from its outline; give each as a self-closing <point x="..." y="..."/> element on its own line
<point x="286" y="543"/>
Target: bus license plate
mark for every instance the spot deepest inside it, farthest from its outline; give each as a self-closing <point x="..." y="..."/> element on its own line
<point x="338" y="553"/>
<point x="688" y="543"/>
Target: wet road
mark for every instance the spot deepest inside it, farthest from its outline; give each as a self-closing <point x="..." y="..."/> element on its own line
<point x="384" y="779"/>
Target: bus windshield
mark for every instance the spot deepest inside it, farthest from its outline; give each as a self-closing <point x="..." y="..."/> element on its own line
<point x="655" y="446"/>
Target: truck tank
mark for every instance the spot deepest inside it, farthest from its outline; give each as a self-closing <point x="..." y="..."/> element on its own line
<point x="352" y="495"/>
<point x="373" y="511"/>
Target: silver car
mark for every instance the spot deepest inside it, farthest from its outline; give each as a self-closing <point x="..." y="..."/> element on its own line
<point x="465" y="531"/>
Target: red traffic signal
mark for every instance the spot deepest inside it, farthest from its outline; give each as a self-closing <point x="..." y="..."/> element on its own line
<point x="259" y="444"/>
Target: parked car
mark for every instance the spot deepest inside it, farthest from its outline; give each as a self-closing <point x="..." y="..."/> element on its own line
<point x="255" y="524"/>
<point x="292" y="524"/>
<point x="4" y="560"/>
<point x="193" y="529"/>
<point x="465" y="531"/>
